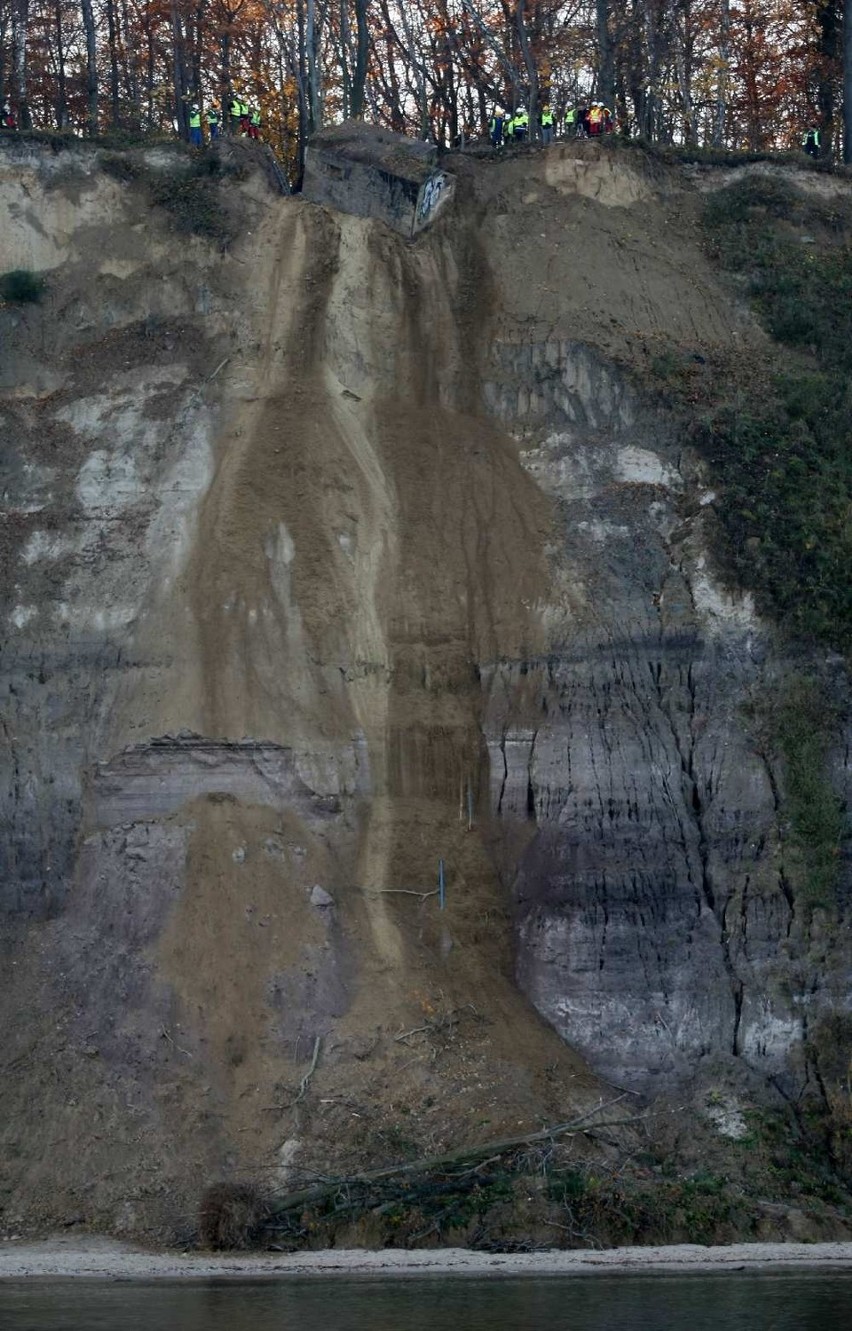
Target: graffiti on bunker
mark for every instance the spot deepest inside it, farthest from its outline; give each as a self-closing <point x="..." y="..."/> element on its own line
<point x="431" y="197"/>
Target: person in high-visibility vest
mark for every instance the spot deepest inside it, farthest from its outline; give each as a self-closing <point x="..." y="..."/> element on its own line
<point x="810" y="142"/>
<point x="595" y="119"/>
<point x="546" y="121"/>
<point x="239" y="113"/>
<point x="254" y="125"/>
<point x="195" y="136"/>
<point x="570" y="122"/>
<point x="213" y="123"/>
<point x="521" y="125"/>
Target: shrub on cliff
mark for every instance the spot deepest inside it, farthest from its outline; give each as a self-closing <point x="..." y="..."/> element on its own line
<point x="230" y="1215"/>
<point x="21" y="287"/>
<point x="187" y="186"/>
<point x="774" y="424"/>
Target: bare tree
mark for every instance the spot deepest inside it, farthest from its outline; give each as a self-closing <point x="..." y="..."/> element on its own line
<point x="91" y="66"/>
<point x="312" y="38"/>
<point x="529" y="65"/>
<point x="847" y="82"/>
<point x="606" y="51"/>
<point x="359" y="74"/>
<point x="179" y="71"/>
<point x="722" y="75"/>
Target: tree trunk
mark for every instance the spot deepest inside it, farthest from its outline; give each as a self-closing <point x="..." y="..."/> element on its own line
<point x="530" y="66"/>
<point x="131" y="65"/>
<point x="418" y="68"/>
<point x="831" y="26"/>
<point x="679" y="45"/>
<point x="497" y="50"/>
<point x="149" y="74"/>
<point x="20" y="27"/>
<point x="112" y="36"/>
<point x="4" y="31"/>
<point x="847" y="82"/>
<point x="721" y="111"/>
<point x="359" y="76"/>
<point x="301" y="75"/>
<point x="314" y="91"/>
<point x="345" y="60"/>
<point x="225" y="56"/>
<point x="61" y="82"/>
<point x="91" y="67"/>
<point x="179" y="73"/>
<point x="197" y="51"/>
<point x="606" y="54"/>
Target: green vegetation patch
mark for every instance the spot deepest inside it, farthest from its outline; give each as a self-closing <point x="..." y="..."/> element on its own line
<point x="775" y="426"/>
<point x="544" y="1195"/>
<point x="794" y="726"/>
<point x="829" y="1047"/>
<point x="803" y="720"/>
<point x="194" y="200"/>
<point x="191" y="190"/>
<point x="805" y="1154"/>
<point x="614" y="1209"/>
<point x="21" y="287"/>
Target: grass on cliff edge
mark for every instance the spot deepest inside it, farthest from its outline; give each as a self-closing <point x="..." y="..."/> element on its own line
<point x="776" y="429"/>
<point x="190" y="190"/>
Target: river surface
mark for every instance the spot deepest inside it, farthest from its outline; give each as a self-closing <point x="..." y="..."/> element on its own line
<point x="729" y="1302"/>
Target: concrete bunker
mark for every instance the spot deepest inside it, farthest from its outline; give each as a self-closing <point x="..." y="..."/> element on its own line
<point x="371" y="172"/>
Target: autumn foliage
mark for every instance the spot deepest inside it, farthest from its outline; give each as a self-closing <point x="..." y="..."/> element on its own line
<point x="728" y="73"/>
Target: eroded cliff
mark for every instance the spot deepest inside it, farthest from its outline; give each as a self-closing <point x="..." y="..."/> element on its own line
<point x="328" y="557"/>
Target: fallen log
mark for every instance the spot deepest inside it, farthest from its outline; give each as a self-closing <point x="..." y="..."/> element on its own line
<point x="437" y="1163"/>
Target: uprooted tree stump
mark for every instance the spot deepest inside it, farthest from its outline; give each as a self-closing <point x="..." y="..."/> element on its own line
<point x="231" y="1215"/>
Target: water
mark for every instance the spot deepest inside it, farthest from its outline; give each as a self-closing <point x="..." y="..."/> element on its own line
<point x="732" y="1302"/>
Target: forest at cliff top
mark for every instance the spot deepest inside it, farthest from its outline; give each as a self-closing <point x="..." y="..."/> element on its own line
<point x="744" y="74"/>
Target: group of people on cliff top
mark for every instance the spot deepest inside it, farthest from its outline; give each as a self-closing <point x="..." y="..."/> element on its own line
<point x="243" y="120"/>
<point x="583" y="122"/>
<point x="505" y="127"/>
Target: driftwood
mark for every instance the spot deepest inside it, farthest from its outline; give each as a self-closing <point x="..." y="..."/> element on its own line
<point x="441" y="1163"/>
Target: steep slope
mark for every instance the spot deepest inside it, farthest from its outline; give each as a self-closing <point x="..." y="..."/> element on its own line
<point x="331" y="557"/>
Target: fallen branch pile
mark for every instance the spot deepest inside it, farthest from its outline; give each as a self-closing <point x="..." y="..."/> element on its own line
<point x="443" y="1187"/>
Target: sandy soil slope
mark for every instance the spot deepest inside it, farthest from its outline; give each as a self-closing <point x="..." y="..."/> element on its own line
<point x="284" y="573"/>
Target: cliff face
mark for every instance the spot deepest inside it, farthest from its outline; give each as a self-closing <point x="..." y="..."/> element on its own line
<point x="327" y="558"/>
